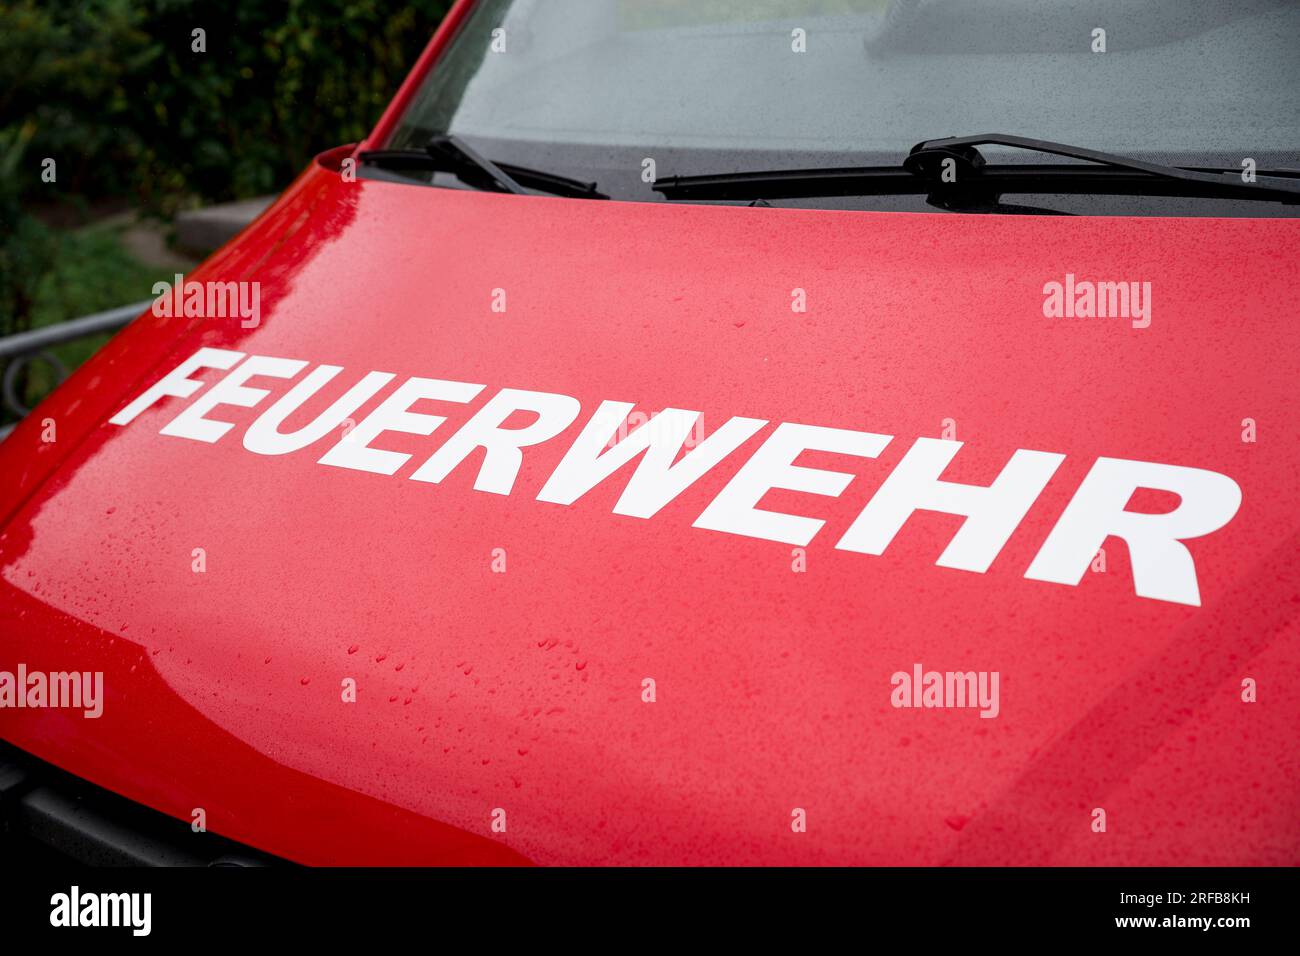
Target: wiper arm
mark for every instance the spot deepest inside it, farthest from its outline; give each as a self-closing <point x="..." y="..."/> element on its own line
<point x="466" y="162"/>
<point x="450" y="154"/>
<point x="977" y="185"/>
<point x="927" y="159"/>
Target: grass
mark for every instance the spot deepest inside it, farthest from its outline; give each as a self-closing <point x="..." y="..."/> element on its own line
<point x="94" y="271"/>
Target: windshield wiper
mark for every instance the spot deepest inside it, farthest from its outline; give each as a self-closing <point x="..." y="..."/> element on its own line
<point x="450" y="154"/>
<point x="977" y="186"/>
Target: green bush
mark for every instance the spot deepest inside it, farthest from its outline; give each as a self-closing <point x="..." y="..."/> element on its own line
<point x="123" y="102"/>
<point x="27" y="248"/>
<point x="117" y="95"/>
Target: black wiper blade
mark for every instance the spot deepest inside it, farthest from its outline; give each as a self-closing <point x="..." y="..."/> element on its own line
<point x="793" y="183"/>
<point x="977" y="185"/>
<point x="927" y="159"/>
<point x="450" y="154"/>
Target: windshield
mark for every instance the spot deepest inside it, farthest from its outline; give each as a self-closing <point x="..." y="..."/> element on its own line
<point x="594" y="90"/>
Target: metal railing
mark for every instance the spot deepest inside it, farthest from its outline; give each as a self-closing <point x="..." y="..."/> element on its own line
<point x="22" y="348"/>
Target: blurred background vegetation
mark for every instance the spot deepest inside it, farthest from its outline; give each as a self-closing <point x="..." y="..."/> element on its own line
<point x="139" y="124"/>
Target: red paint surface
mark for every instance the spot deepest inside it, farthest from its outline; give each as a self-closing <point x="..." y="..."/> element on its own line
<point x="522" y="690"/>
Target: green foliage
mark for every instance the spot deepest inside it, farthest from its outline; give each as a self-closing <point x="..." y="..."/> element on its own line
<point x="88" y="270"/>
<point x="93" y="270"/>
<point x="27" y="249"/>
<point x="115" y="92"/>
<point x="127" y="106"/>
